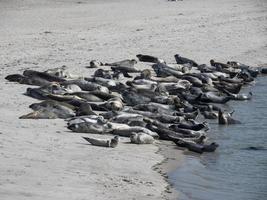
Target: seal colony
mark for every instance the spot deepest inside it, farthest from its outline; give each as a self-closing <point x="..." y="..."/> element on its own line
<point x="164" y="101"/>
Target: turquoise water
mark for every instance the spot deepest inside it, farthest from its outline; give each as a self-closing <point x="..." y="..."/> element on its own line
<point x="232" y="172"/>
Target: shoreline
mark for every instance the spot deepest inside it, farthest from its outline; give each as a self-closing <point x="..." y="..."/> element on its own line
<point x="173" y="157"/>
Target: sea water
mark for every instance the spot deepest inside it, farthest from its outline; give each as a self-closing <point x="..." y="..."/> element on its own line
<point x="232" y="172"/>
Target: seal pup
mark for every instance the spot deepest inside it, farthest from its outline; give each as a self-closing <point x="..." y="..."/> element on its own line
<point x="141" y="138"/>
<point x="103" y="142"/>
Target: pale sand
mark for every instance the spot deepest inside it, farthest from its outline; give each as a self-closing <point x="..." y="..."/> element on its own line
<point x="41" y="159"/>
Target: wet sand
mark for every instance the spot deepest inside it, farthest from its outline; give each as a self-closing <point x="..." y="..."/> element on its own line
<point x="41" y="159"/>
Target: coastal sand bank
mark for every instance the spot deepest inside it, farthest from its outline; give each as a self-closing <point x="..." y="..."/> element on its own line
<point x="41" y="159"/>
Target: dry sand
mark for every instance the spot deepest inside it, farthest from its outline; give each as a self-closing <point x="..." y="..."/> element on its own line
<point x="40" y="159"/>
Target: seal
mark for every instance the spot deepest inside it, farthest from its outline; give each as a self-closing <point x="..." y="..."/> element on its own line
<point x="176" y="87"/>
<point x="103" y="73"/>
<point x="103" y="142"/>
<point x="231" y="87"/>
<point x="148" y="58"/>
<point x="210" y="97"/>
<point x="90" y="124"/>
<point x="43" y="75"/>
<point x="124" y="66"/>
<point x="27" y="80"/>
<point x="132" y="98"/>
<point x="40" y="114"/>
<point x="73" y="88"/>
<point x="104" y="81"/>
<point x="95" y="64"/>
<point x="264" y="70"/>
<point x="126" y="131"/>
<point x="164" y="133"/>
<point x="162" y="70"/>
<point x="61" y="72"/>
<point x="197" y="148"/>
<point x="239" y="97"/>
<point x="124" y="63"/>
<point x="193" y="80"/>
<point x="50" y="109"/>
<point x="226" y="119"/>
<point x="210" y="114"/>
<point x="44" y="92"/>
<point x="124" y="117"/>
<point x="182" y="60"/>
<point x="164" y="118"/>
<point x="114" y="104"/>
<point x="143" y="89"/>
<point x="255" y="148"/>
<point x="51" y="104"/>
<point x="84" y="109"/>
<point x="86" y="85"/>
<point x="219" y="65"/>
<point x="86" y="96"/>
<point x="141" y="138"/>
<point x="194" y="127"/>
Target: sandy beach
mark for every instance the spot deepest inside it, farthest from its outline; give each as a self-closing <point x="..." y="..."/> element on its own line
<point x="41" y="159"/>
